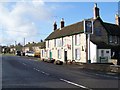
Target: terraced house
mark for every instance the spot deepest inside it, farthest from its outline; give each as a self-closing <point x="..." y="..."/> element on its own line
<point x="70" y="42"/>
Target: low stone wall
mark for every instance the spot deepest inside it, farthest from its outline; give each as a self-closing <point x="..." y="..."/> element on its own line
<point x="102" y="67"/>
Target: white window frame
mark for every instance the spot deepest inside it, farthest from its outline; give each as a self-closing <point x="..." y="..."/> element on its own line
<point x="77" y="54"/>
<point x="59" y="42"/>
<point x="59" y="54"/>
<point x="55" y="42"/>
<point x="42" y="53"/>
<point x="62" y="42"/>
<point x="102" y="53"/>
<point x="77" y="39"/>
<point x="48" y="44"/>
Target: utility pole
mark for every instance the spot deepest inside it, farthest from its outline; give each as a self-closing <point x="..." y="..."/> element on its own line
<point x="15" y="43"/>
<point x="15" y="47"/>
<point x="24" y="47"/>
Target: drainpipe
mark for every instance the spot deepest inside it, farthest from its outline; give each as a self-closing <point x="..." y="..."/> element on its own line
<point x="72" y="48"/>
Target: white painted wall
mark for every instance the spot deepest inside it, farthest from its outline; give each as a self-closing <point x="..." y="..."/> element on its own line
<point x="94" y="56"/>
<point x="26" y="49"/>
<point x="83" y="44"/>
<point x="93" y="52"/>
<point x="68" y="40"/>
<point x="108" y="55"/>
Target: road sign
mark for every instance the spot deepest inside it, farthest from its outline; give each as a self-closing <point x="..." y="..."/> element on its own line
<point x="88" y="27"/>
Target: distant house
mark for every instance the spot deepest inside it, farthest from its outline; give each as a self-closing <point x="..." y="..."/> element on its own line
<point x="70" y="42"/>
<point x="28" y="47"/>
<point x="0" y="49"/>
<point x="36" y="47"/>
<point x="12" y="49"/>
<point x="5" y="49"/>
<point x="18" y="47"/>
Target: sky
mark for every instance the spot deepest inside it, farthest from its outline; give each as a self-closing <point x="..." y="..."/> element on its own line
<point x="33" y="19"/>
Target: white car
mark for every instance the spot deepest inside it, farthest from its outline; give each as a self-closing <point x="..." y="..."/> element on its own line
<point x="30" y="53"/>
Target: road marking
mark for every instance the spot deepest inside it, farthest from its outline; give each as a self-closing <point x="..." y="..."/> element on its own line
<point x="107" y="76"/>
<point x="81" y="86"/>
<point x="34" y="68"/>
<point x="35" y="60"/>
<point x="42" y="72"/>
<point x="38" y="70"/>
<point x="45" y="73"/>
<point x="24" y="64"/>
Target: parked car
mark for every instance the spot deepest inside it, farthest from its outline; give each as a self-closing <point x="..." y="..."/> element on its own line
<point x="37" y="54"/>
<point x="18" y="53"/>
<point x="30" y="54"/>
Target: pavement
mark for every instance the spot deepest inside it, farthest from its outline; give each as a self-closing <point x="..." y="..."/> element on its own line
<point x="22" y="72"/>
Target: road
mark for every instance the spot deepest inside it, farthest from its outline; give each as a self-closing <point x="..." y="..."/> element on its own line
<point x="21" y="72"/>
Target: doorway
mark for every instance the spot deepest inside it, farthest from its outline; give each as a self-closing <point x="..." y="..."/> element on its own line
<point x="65" y="54"/>
<point x="50" y="54"/>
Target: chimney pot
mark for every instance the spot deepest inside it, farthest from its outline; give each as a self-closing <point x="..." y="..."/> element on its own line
<point x="96" y="11"/>
<point x="55" y="26"/>
<point x="62" y="23"/>
<point x="117" y="19"/>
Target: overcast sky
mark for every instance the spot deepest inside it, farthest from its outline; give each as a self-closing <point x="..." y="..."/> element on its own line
<point x="33" y="19"/>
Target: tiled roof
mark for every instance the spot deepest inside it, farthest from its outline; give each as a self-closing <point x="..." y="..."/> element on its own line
<point x="29" y="45"/>
<point x="41" y="44"/>
<point x="103" y="45"/>
<point x="67" y="31"/>
<point x="112" y="28"/>
<point x="78" y="28"/>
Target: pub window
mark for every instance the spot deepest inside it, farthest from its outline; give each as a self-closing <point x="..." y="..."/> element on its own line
<point x="62" y="42"/>
<point x="42" y="53"/>
<point x="59" y="54"/>
<point x="55" y="42"/>
<point x="102" y="53"/>
<point x="77" y="39"/>
<point x="107" y="51"/>
<point x="77" y="54"/>
<point x="48" y="44"/>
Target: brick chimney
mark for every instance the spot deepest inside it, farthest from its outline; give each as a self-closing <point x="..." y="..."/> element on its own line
<point x="96" y="11"/>
<point x="117" y="19"/>
<point x="62" y="23"/>
<point x="54" y="26"/>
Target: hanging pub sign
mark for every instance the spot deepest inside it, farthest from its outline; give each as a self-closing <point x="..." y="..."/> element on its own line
<point x="88" y="27"/>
